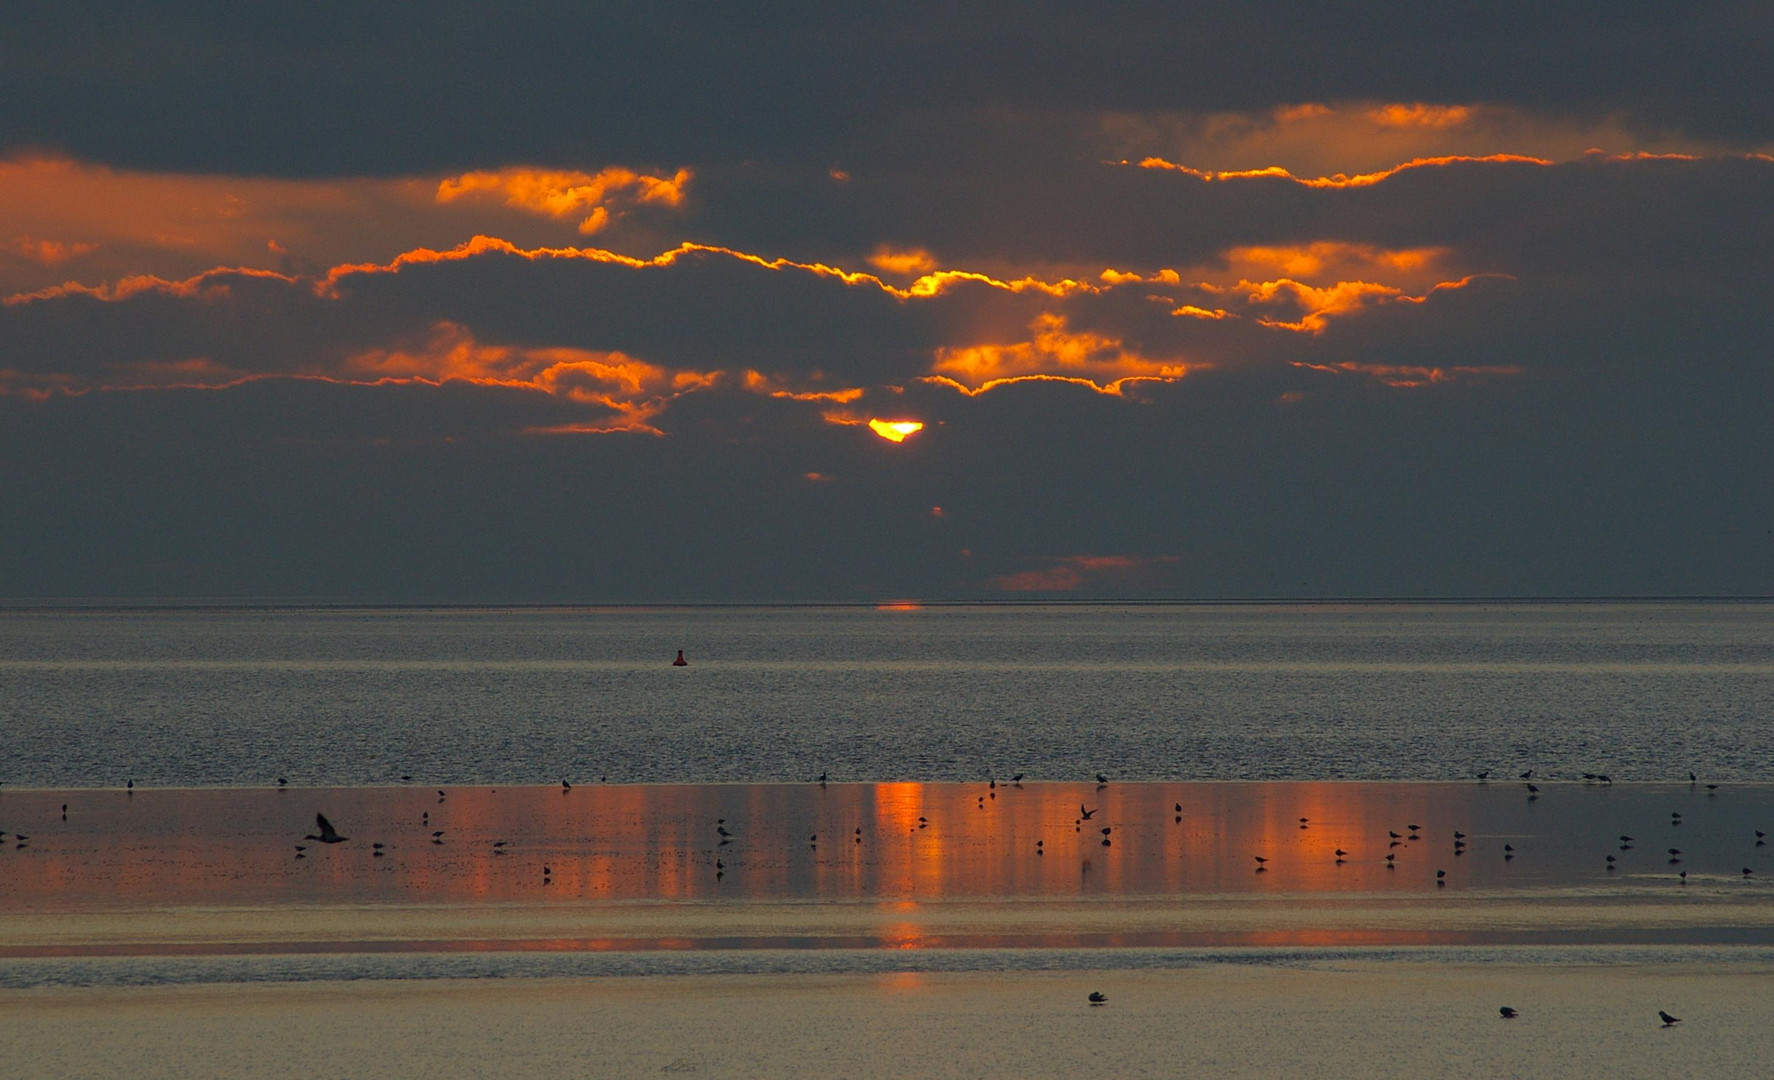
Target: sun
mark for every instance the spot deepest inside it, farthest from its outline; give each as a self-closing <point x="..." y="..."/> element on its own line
<point x="895" y="430"/>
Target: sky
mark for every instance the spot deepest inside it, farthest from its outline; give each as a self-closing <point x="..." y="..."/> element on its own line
<point x="627" y="303"/>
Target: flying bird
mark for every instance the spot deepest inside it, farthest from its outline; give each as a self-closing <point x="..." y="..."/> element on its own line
<point x="1083" y="813"/>
<point x="328" y="835"/>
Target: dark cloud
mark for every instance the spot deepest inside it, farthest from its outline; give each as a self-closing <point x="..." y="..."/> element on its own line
<point x="1536" y="376"/>
<point x="294" y="90"/>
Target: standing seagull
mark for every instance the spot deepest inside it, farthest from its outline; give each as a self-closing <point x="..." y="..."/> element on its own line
<point x="328" y="835"/>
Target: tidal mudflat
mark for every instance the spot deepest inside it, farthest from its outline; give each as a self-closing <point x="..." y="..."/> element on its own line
<point x="944" y="929"/>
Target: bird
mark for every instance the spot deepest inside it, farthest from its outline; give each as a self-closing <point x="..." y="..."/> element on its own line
<point x="1392" y="834"/>
<point x="1610" y="862"/>
<point x="1441" y="877"/>
<point x="1668" y="1020"/>
<point x="1260" y="859"/>
<point x="564" y="785"/>
<point x="1506" y="1012"/>
<point x="821" y="779"/>
<point x="281" y="781"/>
<point x="1684" y="877"/>
<point x="1017" y="779"/>
<point x="1624" y="839"/>
<point x="328" y="835"/>
<point x="1458" y="835"/>
<point x="1083" y="813"/>
<point x="1533" y="789"/>
<point x="1529" y="775"/>
<point x="1179" y="809"/>
<point x="1747" y="871"/>
<point x="1097" y="998"/>
<point x="1341" y="853"/>
<point x="1486" y="775"/>
<point x="1101" y="779"/>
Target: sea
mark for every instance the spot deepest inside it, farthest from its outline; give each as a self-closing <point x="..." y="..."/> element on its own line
<point x="203" y="696"/>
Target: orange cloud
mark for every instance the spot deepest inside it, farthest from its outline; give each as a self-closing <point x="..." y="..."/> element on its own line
<point x="1311" y="260"/>
<point x="1094" y="360"/>
<point x="633" y="389"/>
<point x="1317" y="305"/>
<point x="50" y="253"/>
<point x="1070" y="573"/>
<point x="910" y="261"/>
<point x="1356" y="139"/>
<point x="1341" y="180"/>
<point x="560" y="194"/>
<point x="1418" y="114"/>
<point x="930" y="285"/>
<point x="759" y="383"/>
<point x="1407" y="376"/>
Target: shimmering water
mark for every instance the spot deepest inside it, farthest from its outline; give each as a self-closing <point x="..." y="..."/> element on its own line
<point x="200" y="697"/>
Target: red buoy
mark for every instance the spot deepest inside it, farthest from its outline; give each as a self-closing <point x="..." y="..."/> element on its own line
<point x="680" y="661"/>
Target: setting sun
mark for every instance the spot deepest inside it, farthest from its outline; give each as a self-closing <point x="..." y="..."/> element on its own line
<point x="895" y="430"/>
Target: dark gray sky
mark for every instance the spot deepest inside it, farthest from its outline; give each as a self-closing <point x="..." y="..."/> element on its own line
<point x="591" y="303"/>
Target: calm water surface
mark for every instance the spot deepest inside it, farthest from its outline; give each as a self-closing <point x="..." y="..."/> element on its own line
<point x="1414" y="692"/>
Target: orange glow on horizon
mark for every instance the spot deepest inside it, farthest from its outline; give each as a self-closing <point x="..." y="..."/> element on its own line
<point x="895" y="430"/>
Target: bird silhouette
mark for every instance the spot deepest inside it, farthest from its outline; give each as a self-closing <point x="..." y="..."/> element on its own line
<point x="1506" y="1012"/>
<point x="1083" y="813"/>
<point x="328" y="835"/>
<point x="1668" y="1020"/>
<point x="1097" y="998"/>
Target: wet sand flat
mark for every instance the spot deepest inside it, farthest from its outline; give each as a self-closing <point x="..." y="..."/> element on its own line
<point x="893" y="865"/>
<point x="1328" y="1019"/>
<point x="871" y="929"/>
